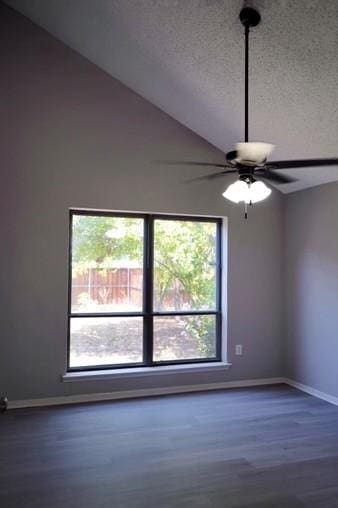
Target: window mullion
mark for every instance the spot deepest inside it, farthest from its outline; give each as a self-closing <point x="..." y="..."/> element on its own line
<point x="148" y="290"/>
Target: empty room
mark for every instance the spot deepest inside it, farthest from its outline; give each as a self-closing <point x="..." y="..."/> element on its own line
<point x="169" y="254"/>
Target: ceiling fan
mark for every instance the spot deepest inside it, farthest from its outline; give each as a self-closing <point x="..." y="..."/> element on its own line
<point x="250" y="159"/>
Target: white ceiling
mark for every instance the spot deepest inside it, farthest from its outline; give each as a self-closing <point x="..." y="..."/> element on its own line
<point x="186" y="57"/>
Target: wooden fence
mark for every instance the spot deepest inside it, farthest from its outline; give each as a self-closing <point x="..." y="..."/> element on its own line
<point x="121" y="287"/>
<point x="108" y="286"/>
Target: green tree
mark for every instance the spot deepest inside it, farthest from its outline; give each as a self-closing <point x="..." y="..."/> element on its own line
<point x="98" y="241"/>
<point x="184" y="252"/>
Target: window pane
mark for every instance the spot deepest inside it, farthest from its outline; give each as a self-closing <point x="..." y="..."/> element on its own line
<point x="105" y="341"/>
<point x="184" y="265"/>
<point x="107" y="264"/>
<point x="184" y="337"/>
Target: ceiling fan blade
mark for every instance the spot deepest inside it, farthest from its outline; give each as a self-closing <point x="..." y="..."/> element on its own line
<point x="193" y="163"/>
<point x="273" y="176"/>
<point x="211" y="177"/>
<point x="302" y="163"/>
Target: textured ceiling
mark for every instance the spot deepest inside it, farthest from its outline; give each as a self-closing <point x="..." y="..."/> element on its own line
<point x="186" y="57"/>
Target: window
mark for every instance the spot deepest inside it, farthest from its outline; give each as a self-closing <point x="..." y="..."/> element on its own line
<point x="144" y="290"/>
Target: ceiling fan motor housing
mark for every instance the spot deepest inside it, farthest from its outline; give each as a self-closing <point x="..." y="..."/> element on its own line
<point x="250" y="154"/>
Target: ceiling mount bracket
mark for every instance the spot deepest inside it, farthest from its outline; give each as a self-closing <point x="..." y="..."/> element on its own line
<point x="249" y="17"/>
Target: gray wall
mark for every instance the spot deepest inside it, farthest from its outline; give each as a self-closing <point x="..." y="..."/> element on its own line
<point x="312" y="287"/>
<point x="71" y="136"/>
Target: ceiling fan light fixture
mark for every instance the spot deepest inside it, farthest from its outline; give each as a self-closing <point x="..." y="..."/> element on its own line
<point x="250" y="159"/>
<point x="248" y="192"/>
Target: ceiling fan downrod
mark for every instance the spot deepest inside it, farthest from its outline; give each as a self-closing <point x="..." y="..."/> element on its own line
<point x="249" y="17"/>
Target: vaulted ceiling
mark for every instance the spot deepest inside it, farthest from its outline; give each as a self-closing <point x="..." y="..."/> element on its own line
<point x="186" y="57"/>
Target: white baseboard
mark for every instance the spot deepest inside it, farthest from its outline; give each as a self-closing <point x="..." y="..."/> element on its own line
<point x="312" y="391"/>
<point x="150" y="392"/>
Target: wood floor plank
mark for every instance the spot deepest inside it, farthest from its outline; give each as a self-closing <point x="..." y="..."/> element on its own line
<point x="268" y="447"/>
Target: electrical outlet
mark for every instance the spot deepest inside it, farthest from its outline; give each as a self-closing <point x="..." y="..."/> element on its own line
<point x="239" y="349"/>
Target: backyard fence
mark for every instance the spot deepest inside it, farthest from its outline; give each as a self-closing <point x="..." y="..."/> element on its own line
<point x="108" y="286"/>
<point x="120" y="287"/>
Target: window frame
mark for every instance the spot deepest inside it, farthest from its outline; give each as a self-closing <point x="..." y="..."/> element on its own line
<point x="147" y="313"/>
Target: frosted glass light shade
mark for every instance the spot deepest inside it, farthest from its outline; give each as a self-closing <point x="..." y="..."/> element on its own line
<point x="236" y="192"/>
<point x="258" y="191"/>
<point x="246" y="192"/>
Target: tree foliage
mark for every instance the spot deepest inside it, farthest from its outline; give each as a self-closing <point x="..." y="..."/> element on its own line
<point x="99" y="241"/>
<point x="184" y="251"/>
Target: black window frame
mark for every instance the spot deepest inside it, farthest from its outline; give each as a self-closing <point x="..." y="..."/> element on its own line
<point x="148" y="313"/>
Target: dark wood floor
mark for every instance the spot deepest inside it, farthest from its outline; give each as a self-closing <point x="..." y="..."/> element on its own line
<point x="258" y="447"/>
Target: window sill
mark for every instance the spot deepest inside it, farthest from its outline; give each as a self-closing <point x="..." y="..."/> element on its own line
<point x="98" y="375"/>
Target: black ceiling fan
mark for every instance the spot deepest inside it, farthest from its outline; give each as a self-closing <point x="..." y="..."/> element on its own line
<point x="250" y="159"/>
